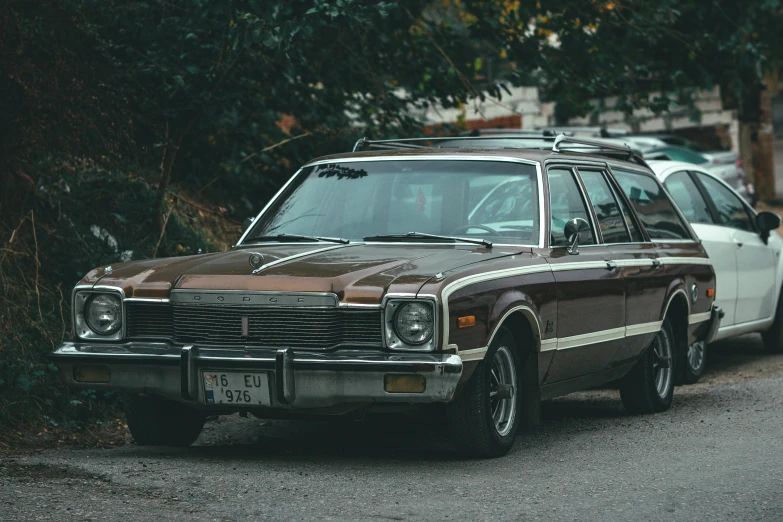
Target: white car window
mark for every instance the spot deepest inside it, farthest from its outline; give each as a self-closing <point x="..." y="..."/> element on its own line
<point x="686" y="194"/>
<point x="731" y="211"/>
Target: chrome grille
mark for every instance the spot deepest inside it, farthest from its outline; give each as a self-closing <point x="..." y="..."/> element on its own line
<point x="222" y="325"/>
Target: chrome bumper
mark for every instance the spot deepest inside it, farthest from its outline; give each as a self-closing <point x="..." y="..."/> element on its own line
<point x="714" y="324"/>
<point x="297" y="379"/>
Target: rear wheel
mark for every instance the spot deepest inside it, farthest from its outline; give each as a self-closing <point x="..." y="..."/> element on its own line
<point x="773" y="338"/>
<point x="695" y="362"/>
<point x="649" y="387"/>
<point x="159" y="422"/>
<point x="483" y="420"/>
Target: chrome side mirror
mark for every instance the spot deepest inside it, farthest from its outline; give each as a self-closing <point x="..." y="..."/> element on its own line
<point x="576" y="231"/>
<point x="247" y="223"/>
<point x="767" y="222"/>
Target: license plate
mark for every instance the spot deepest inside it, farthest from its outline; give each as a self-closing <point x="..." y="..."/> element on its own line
<point x="242" y="388"/>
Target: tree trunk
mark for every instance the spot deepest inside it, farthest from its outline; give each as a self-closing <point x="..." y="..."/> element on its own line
<point x="757" y="140"/>
<point x="166" y="166"/>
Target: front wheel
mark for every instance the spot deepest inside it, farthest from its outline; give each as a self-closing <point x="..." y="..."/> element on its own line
<point x="483" y="419"/>
<point x="695" y="362"/>
<point x="649" y="387"/>
<point x="159" y="422"/>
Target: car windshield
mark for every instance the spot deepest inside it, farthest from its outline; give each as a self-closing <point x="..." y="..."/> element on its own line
<point x="492" y="200"/>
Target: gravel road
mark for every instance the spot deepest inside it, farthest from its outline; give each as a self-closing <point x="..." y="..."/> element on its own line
<point x="716" y="455"/>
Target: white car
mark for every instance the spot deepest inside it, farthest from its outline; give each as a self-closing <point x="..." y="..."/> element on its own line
<point x="744" y="249"/>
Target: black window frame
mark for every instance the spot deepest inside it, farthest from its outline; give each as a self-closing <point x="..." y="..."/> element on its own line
<point x="716" y="219"/>
<point x="573" y="168"/>
<point x="613" y="193"/>
<point x="634" y="169"/>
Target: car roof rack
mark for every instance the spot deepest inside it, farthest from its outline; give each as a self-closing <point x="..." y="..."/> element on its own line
<point x="594" y="146"/>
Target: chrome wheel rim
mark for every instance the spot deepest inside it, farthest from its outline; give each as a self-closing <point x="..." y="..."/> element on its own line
<point x="502" y="390"/>
<point x="696" y="353"/>
<point x="662" y="363"/>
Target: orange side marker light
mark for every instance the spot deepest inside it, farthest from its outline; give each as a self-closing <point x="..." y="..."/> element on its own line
<point x="710" y="292"/>
<point x="466" y="321"/>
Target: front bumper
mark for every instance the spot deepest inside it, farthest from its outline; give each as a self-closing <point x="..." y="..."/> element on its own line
<point x="300" y="380"/>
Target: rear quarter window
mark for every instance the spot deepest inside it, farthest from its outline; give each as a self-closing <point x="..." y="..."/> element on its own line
<point x="653" y="207"/>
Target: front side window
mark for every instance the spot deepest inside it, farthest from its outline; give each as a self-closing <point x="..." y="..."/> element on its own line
<point x="610" y="219"/>
<point x="565" y="203"/>
<point x="492" y="200"/>
<point x="653" y="207"/>
<point x="731" y="211"/>
<point x="687" y="196"/>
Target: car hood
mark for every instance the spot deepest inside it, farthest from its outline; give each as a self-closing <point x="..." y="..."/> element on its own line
<point x="359" y="274"/>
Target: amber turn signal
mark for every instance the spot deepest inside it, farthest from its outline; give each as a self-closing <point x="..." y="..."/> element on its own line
<point x="91" y="374"/>
<point x="394" y="383"/>
<point x="710" y="292"/>
<point x="464" y="322"/>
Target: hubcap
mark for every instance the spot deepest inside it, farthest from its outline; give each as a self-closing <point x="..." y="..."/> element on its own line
<point x="662" y="363"/>
<point x="696" y="355"/>
<point x="502" y="390"/>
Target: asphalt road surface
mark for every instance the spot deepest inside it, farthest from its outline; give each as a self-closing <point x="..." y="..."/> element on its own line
<point x="716" y="455"/>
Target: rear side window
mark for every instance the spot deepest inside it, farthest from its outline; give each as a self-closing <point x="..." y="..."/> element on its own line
<point x="610" y="219"/>
<point x="655" y="210"/>
<point x="687" y="196"/>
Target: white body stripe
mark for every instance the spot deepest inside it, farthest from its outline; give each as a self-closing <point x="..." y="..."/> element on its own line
<point x="685" y="261"/>
<point x="578" y="341"/>
<point x="452" y="287"/>
<point x="699" y="318"/>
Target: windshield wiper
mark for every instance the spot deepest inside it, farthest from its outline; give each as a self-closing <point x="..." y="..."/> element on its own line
<point x="421" y="235"/>
<point x="296" y="237"/>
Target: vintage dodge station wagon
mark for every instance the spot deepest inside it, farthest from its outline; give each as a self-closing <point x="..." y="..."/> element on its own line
<point x="472" y="281"/>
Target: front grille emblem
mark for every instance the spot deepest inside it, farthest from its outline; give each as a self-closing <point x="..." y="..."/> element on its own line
<point x="245" y="326"/>
<point x="256" y="260"/>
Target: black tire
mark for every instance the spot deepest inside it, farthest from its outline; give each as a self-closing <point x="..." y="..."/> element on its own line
<point x="472" y="427"/>
<point x="159" y="422"/>
<point x="773" y="338"/>
<point x="639" y="389"/>
<point x="695" y="362"/>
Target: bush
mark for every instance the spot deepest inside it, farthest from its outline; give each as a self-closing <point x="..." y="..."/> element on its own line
<point x="75" y="217"/>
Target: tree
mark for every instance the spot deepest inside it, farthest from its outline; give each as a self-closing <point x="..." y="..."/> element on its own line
<point x="631" y="49"/>
<point x="211" y="80"/>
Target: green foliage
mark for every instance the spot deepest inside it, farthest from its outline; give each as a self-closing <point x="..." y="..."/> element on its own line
<point x="116" y="111"/>
<point x="631" y="48"/>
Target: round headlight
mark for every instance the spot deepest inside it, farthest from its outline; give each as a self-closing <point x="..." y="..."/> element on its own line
<point x="414" y="323"/>
<point x="103" y="314"/>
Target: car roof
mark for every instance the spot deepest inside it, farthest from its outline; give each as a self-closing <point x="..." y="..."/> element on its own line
<point x="530" y="154"/>
<point x="663" y="168"/>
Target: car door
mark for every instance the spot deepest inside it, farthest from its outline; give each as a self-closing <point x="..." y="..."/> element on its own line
<point x="636" y="261"/>
<point x="590" y="293"/>
<point x="756" y="261"/>
<point x="717" y="242"/>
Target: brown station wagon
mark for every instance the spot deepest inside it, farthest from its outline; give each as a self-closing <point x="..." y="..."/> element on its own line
<point x="472" y="281"/>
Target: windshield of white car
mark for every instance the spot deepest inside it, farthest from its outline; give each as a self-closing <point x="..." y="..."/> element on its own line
<point x="486" y="201"/>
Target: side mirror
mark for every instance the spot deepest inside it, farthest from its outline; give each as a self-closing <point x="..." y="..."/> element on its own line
<point x="576" y="231"/>
<point x="247" y="223"/>
<point x="767" y="222"/>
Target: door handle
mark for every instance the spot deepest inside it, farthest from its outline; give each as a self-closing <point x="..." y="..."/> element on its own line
<point x="738" y="243"/>
<point x="656" y="263"/>
<point x="611" y="265"/>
